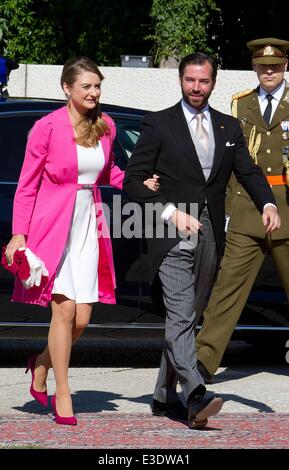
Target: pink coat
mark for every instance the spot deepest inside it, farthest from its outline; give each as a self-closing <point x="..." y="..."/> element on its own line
<point x="45" y="198"/>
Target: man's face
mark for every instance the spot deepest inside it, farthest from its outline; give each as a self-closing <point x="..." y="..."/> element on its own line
<point x="270" y="75"/>
<point x="197" y="84"/>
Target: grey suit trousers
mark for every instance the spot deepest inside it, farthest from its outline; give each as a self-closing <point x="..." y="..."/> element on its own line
<point x="187" y="275"/>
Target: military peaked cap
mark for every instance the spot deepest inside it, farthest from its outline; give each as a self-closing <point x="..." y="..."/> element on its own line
<point x="268" y="50"/>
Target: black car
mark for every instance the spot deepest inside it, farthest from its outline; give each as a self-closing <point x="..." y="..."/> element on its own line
<point x="139" y="311"/>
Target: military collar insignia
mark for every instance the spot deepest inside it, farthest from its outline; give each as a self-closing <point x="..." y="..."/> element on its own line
<point x="286" y="97"/>
<point x="285" y="125"/>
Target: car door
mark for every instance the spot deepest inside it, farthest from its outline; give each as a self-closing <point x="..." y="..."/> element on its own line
<point x="14" y="128"/>
<point x="133" y="300"/>
<point x="126" y="226"/>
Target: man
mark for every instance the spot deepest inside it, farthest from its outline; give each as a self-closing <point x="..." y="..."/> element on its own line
<point x="264" y="117"/>
<point x="194" y="149"/>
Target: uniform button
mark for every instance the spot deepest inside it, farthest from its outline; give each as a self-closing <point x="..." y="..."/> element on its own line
<point x="268" y="151"/>
<point x="238" y="192"/>
<point x="269" y="169"/>
<point x="268" y="132"/>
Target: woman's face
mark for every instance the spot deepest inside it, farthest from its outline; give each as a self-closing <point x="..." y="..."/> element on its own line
<point x="84" y="93"/>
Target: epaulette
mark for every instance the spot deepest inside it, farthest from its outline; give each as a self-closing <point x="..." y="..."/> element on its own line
<point x="236" y="96"/>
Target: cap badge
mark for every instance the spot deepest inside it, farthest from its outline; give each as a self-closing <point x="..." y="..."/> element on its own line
<point x="268" y="50"/>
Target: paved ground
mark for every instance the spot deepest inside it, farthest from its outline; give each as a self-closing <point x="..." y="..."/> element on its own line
<point x="112" y="407"/>
<point x="142" y="431"/>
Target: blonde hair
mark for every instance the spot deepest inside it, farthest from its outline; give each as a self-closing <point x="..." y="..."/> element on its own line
<point x="92" y="127"/>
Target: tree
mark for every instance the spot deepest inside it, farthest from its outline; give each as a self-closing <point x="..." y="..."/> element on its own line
<point x="105" y="30"/>
<point x="30" y="34"/>
<point x="51" y="31"/>
<point x="180" y="28"/>
<point x="234" y="24"/>
<point x="3" y="33"/>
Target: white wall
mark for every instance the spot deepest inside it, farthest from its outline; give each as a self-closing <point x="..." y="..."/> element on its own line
<point x="145" y="88"/>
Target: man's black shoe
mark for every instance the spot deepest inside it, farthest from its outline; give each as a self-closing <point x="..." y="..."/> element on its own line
<point x="175" y="410"/>
<point x="208" y="378"/>
<point x="200" y="409"/>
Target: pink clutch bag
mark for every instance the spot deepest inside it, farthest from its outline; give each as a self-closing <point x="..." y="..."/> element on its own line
<point x="20" y="266"/>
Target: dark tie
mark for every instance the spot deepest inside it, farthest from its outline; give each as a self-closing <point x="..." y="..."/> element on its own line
<point x="268" y="110"/>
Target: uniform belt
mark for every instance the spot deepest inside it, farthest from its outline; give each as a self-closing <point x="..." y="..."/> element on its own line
<point x="275" y="180"/>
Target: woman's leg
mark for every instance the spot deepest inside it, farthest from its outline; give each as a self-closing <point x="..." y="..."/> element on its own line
<point x="83" y="314"/>
<point x="43" y="362"/>
<point x="59" y="343"/>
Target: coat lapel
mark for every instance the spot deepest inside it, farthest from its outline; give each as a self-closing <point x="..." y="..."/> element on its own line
<point x="67" y="139"/>
<point x="282" y="111"/>
<point x="180" y="130"/>
<point x="106" y="146"/>
<point x="219" y="135"/>
<point x="253" y="112"/>
<point x="66" y="145"/>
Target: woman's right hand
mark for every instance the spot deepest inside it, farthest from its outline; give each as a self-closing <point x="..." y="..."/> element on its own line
<point x="16" y="242"/>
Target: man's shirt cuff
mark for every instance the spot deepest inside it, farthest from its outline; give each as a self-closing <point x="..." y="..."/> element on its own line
<point x="168" y="212"/>
<point x="269" y="204"/>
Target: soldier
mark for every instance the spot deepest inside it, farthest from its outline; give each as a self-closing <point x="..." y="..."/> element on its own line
<point x="264" y="117"/>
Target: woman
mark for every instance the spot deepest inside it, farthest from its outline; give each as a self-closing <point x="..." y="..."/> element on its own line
<point x="68" y="155"/>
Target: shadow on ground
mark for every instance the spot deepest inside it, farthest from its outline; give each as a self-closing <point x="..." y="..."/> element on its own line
<point x="142" y="354"/>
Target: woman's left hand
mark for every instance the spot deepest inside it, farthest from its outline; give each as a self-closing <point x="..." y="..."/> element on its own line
<point x="152" y="183"/>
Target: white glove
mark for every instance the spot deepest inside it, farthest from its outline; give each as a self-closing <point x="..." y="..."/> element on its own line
<point x="37" y="270"/>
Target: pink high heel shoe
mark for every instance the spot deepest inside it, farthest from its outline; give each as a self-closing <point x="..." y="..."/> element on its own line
<point x="41" y="397"/>
<point x="71" y="420"/>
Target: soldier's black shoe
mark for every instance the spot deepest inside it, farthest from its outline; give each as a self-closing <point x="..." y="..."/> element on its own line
<point x="208" y="378"/>
<point x="175" y="410"/>
<point x="200" y="409"/>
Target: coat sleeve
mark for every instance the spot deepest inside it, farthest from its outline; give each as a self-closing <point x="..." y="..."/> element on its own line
<point x="116" y="175"/>
<point x="142" y="164"/>
<point x="30" y="176"/>
<point x="249" y="174"/>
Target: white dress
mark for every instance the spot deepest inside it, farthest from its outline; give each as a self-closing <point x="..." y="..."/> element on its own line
<point x="76" y="277"/>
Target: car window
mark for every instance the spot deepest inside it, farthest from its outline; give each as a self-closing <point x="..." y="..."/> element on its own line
<point x="129" y="138"/>
<point x="128" y="132"/>
<point x="120" y="156"/>
<point x="13" y="137"/>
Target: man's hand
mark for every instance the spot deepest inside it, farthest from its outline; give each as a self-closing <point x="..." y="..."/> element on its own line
<point x="271" y="219"/>
<point x="152" y="183"/>
<point x="185" y="223"/>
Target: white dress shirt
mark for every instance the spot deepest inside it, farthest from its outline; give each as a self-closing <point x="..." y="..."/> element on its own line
<point x="277" y="94"/>
<point x="190" y="116"/>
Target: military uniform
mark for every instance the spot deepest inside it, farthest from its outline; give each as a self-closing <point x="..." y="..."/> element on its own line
<point x="247" y="242"/>
<point x="267" y="147"/>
